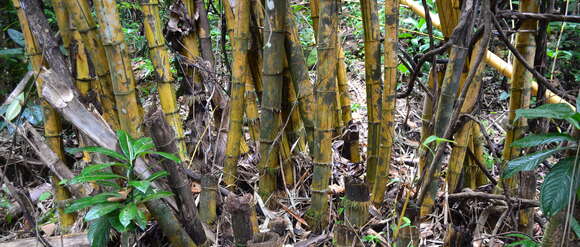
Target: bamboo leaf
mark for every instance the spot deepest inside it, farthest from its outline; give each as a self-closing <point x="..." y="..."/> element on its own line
<point x="166" y="155"/>
<point x="528" y="162"/>
<point x="157" y="175"/>
<point x="11" y="52"/>
<point x="101" y="150"/>
<point x="156" y="195"/>
<point x="142" y="144"/>
<point x="127" y="214"/>
<point x="16" y="36"/>
<point x="555" y="190"/>
<point x="98" y="233"/>
<point x="100" y="210"/>
<point x="555" y="111"/>
<point x="540" y="139"/>
<point x="142" y="186"/>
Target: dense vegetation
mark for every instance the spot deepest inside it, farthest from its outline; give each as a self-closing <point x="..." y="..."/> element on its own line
<point x="263" y="123"/>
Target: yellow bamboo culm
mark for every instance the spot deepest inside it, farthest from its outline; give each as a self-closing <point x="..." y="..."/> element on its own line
<point x="436" y="74"/>
<point x="520" y="96"/>
<point x="123" y="81"/>
<point x="239" y="77"/>
<point x="52" y="124"/>
<point x="295" y="128"/>
<point x="81" y="17"/>
<point x="251" y="109"/>
<point x="159" y="55"/>
<point x="389" y="100"/>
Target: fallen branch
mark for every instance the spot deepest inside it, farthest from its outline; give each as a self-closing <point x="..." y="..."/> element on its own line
<point x="19" y="88"/>
<point x="537" y="16"/>
<point x="523" y="203"/>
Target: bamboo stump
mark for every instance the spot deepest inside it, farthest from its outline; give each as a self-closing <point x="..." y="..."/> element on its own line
<point x="265" y="239"/>
<point x="243" y="217"/>
<point x="345" y="236"/>
<point x="356" y="202"/>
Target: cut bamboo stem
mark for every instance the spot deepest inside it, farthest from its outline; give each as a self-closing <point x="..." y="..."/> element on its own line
<point x="243" y="217"/>
<point x="356" y="202"/>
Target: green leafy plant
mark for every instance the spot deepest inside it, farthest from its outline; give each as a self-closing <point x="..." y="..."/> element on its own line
<point x="563" y="178"/>
<point x="118" y="208"/>
<point x="436" y="139"/>
<point x="525" y="241"/>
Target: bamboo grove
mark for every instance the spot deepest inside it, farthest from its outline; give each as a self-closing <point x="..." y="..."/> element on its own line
<point x="263" y="131"/>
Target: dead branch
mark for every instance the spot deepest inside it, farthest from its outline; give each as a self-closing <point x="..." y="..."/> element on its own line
<point x="523" y="203"/>
<point x="19" y="88"/>
<point x="537" y="16"/>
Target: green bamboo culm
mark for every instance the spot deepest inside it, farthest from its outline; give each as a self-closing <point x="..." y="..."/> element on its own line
<point x="324" y="124"/>
<point x="272" y="75"/>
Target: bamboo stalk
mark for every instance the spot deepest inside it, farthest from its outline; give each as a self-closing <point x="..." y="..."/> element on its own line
<point x="243" y="217"/>
<point x="436" y="74"/>
<point x="373" y="81"/>
<point x="251" y="109"/>
<point x="270" y="117"/>
<point x="325" y="95"/>
<point x="203" y="32"/>
<point x="52" y="123"/>
<point x="351" y="140"/>
<point x="165" y="141"/>
<point x="239" y="77"/>
<point x="208" y="200"/>
<point x="80" y="14"/>
<point x="159" y="55"/>
<point x="295" y="130"/>
<point x="130" y="115"/>
<point x="387" y="128"/>
<point x="300" y="80"/>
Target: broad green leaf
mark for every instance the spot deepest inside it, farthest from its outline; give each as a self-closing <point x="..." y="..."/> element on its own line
<point x="116" y="224"/>
<point x="166" y="155"/>
<point x="90" y="201"/>
<point x="97" y="167"/>
<point x="14" y="107"/>
<point x="140" y="219"/>
<point x="574" y="120"/>
<point x="156" y="195"/>
<point x="125" y="142"/>
<point x="11" y="52"/>
<point x="555" y="111"/>
<point x="44" y="196"/>
<point x="105" y="151"/>
<point x="142" y="186"/>
<point x="575" y="226"/>
<point x="528" y="162"/>
<point x="142" y="144"/>
<point x="127" y="214"/>
<point x="540" y="139"/>
<point x="100" y="210"/>
<point x="98" y="233"/>
<point x="94" y="177"/>
<point x="16" y="36"/>
<point x="157" y="175"/>
<point x="555" y="190"/>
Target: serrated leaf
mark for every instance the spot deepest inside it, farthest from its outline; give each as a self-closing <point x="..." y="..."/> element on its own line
<point x="127" y="214"/>
<point x="528" y="162"/>
<point x="166" y="155"/>
<point x="555" y="190"/>
<point x="90" y="201"/>
<point x="555" y="111"/>
<point x="16" y="36"/>
<point x="94" y="177"/>
<point x="105" y="151"/>
<point x="156" y="195"/>
<point x="142" y="186"/>
<point x="540" y="139"/>
<point x="98" y="233"/>
<point x="101" y="210"/>
<point x="125" y="143"/>
<point x="157" y="175"/>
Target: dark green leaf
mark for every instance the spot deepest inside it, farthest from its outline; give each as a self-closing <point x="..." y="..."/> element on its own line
<point x="528" y="162"/>
<point x="156" y="195"/>
<point x="557" y="187"/>
<point x="142" y="144"/>
<point x="555" y="111"/>
<point x="11" y="52"/>
<point x="578" y="103"/>
<point x="98" y="234"/>
<point x="116" y="224"/>
<point x="575" y="226"/>
<point x="94" y="177"/>
<point x="157" y="175"/>
<point x="109" y="184"/>
<point x="127" y="214"/>
<point x="90" y="201"/>
<point x="17" y="37"/>
<point x="540" y="139"/>
<point x="574" y="120"/>
<point x="125" y="142"/>
<point x="141" y="220"/>
<point x="105" y="151"/>
<point x="101" y="210"/>
<point x="97" y="167"/>
<point x="166" y="155"/>
<point x="142" y="186"/>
